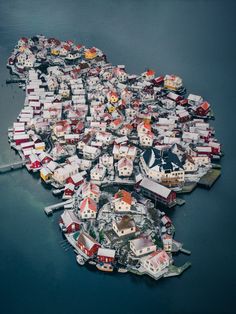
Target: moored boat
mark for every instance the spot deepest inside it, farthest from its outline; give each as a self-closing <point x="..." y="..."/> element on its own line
<point x="105" y="267"/>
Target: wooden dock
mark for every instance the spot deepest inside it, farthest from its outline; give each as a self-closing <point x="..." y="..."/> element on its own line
<point x="12" y="166"/>
<point x="209" y="178"/>
<point x="49" y="210"/>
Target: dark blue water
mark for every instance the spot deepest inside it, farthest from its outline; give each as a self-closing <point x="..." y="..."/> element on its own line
<point x="195" y="39"/>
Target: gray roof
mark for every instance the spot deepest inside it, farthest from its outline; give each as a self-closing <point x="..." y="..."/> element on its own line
<point x="155" y="187"/>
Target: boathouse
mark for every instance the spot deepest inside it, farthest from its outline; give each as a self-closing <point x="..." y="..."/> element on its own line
<point x="87" y="244"/>
<point x="158" y="192"/>
<point x="106" y="255"/>
<point x="70" y="221"/>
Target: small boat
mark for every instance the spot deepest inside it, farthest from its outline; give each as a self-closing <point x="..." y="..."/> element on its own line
<point x="92" y="263"/>
<point x="105" y="267"/>
<point x="122" y="270"/>
<point x="62" y="227"/>
<point x="80" y="260"/>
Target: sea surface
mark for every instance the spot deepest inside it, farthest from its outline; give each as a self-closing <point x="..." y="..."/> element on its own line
<point x="194" y="39"/>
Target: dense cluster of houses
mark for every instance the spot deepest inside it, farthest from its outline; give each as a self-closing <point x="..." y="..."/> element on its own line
<point x="87" y="124"/>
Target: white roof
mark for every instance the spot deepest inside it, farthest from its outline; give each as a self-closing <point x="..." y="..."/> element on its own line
<point x="203" y="149"/>
<point x="27" y="144"/>
<point x="44" y="171"/>
<point x="194" y="97"/>
<point x="21" y="136"/>
<point x="77" y="177"/>
<point x="155" y="187"/>
<point x="52" y="165"/>
<point x="70" y="186"/>
<point x="90" y="149"/>
<point x="69" y="217"/>
<point x="106" y="252"/>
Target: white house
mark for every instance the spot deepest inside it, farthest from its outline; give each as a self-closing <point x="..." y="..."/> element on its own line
<point x="104" y="137"/>
<point x="163" y="167"/>
<point x="120" y="151"/>
<point x="189" y="164"/>
<point x="142" y="246"/>
<point x="91" y="152"/>
<point x="122" y="201"/>
<point x="98" y="172"/>
<point x="125" y="226"/>
<point x="88" y="208"/>
<point x="61" y="174"/>
<point x="146" y="139"/>
<point x="107" y="160"/>
<point x="91" y="190"/>
<point x="194" y="100"/>
<point x="156" y="262"/>
<point x="167" y="242"/>
<point x="125" y="167"/>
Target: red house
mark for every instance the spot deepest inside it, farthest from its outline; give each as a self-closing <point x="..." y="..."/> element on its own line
<point x="20" y="138"/>
<point x="78" y="128"/>
<point x="203" y="109"/>
<point x="27" y="145"/>
<point x="69" y="191"/>
<point x="45" y="158"/>
<point x="158" y="192"/>
<point x="34" y="162"/>
<point x="215" y="148"/>
<point x="106" y="255"/>
<point x="204" y="150"/>
<point x="87" y="244"/>
<point x="71" y="138"/>
<point x="158" y="80"/>
<point x="77" y="179"/>
<point x="166" y="221"/>
<point x="69" y="222"/>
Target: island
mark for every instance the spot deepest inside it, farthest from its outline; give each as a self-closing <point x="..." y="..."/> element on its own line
<point x="118" y="149"/>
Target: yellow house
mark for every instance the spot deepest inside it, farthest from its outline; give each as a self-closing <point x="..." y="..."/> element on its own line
<point x="113" y="97"/>
<point x="22" y="48"/>
<point x="45" y="174"/>
<point x="90" y="53"/>
<point x="55" y="52"/>
<point x="111" y="109"/>
<point x="40" y="146"/>
<point x="172" y="82"/>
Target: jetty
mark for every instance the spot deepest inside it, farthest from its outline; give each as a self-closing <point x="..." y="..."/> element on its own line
<point x="15" y="81"/>
<point x="49" y="210"/>
<point x="209" y="178"/>
<point x="12" y="166"/>
<point x="176" y="271"/>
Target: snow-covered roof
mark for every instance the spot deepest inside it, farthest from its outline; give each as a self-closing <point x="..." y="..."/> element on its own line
<point x="155" y="187"/>
<point x="106" y="252"/>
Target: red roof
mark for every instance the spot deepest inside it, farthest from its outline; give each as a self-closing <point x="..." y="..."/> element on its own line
<point x="150" y="72"/>
<point x="88" y="203"/>
<point x="124" y="196"/>
<point x="67" y="47"/>
<point x="205" y="105"/>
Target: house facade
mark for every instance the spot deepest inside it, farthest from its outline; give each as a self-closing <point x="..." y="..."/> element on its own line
<point x="142" y="246"/>
<point x="125" y="226"/>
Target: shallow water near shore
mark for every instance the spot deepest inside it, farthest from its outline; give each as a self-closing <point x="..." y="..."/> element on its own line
<point x="193" y="39"/>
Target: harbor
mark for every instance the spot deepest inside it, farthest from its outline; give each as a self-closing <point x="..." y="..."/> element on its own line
<point x="117" y="149"/>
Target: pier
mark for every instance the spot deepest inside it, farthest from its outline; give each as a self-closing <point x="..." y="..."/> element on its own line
<point x="15" y="81"/>
<point x="12" y="166"/>
<point x="49" y="210"/>
<point x="209" y="178"/>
